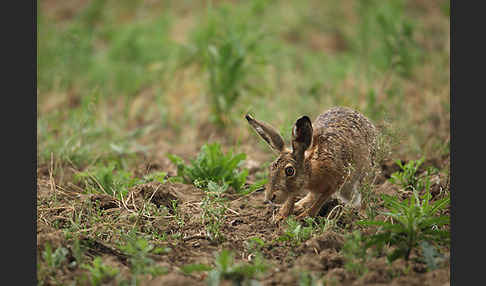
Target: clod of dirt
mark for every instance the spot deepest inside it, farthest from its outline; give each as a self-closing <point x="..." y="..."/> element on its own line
<point x="387" y="188"/>
<point x="163" y="194"/>
<point x="326" y="260"/>
<point x="328" y="240"/>
<point x="105" y="201"/>
<point x="47" y="234"/>
<point x="389" y="167"/>
<point x="173" y="279"/>
<point x="372" y="277"/>
<point x="337" y="275"/>
<point x="98" y="248"/>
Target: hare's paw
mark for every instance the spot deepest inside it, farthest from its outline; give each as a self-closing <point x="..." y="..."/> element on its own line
<point x="278" y="218"/>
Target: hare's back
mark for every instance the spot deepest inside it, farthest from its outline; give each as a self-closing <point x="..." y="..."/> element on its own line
<point x="344" y="130"/>
<point x="344" y="121"/>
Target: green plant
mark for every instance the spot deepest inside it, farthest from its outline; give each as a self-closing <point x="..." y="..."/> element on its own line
<point x="255" y="244"/>
<point x="226" y="270"/>
<point x="106" y="179"/>
<point x="409" y="222"/>
<point x="155" y="177"/>
<point x="54" y="259"/>
<point x="407" y="177"/>
<point x="307" y="279"/>
<point x="229" y="47"/>
<point x="211" y="164"/>
<point x="396" y="47"/>
<point x="100" y="273"/>
<point x="296" y="232"/>
<point x="139" y="251"/>
<point x="430" y="255"/>
<point x="78" y="251"/>
<point x="178" y="216"/>
<point x="213" y="206"/>
<point x="355" y="254"/>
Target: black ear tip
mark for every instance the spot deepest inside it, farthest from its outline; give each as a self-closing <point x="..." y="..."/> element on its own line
<point x="248" y="117"/>
<point x="304" y="119"/>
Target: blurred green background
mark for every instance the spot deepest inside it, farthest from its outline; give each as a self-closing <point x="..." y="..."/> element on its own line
<point x="120" y="79"/>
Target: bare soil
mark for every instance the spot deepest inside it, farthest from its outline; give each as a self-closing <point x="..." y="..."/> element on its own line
<point x="59" y="205"/>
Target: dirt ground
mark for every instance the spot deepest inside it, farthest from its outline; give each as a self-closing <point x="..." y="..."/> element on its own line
<point x="245" y="218"/>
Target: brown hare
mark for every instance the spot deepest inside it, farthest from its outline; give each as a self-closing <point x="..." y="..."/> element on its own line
<point x="332" y="155"/>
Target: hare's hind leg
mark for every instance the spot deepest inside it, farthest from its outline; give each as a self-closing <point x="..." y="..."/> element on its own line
<point x="356" y="198"/>
<point x="350" y="193"/>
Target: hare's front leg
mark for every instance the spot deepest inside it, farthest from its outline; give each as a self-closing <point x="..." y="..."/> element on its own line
<point x="319" y="200"/>
<point x="286" y="209"/>
<point x="304" y="203"/>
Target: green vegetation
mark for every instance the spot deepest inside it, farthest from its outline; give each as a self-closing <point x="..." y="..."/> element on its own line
<point x="355" y="254"/>
<point x="54" y="259"/>
<point x="211" y="164"/>
<point x="394" y="46"/>
<point x="100" y="273"/>
<point x="406" y="177"/>
<point x="227" y="270"/>
<point x="231" y="46"/>
<point x="297" y="232"/>
<point x="107" y="180"/>
<point x="307" y="279"/>
<point x="139" y="250"/>
<point x="411" y="221"/>
<point x="213" y="210"/>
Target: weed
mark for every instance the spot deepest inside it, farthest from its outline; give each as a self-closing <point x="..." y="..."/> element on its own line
<point x="106" y="179"/>
<point x="195" y="267"/>
<point x="430" y="255"/>
<point x="100" y="273"/>
<point x="408" y="223"/>
<point x="178" y="216"/>
<point x="155" y="177"/>
<point x="226" y="270"/>
<point x="211" y="164"/>
<point x="396" y="47"/>
<point x="213" y="206"/>
<point x="78" y="251"/>
<point x="139" y="250"/>
<point x="307" y="279"/>
<point x="229" y="46"/>
<point x="355" y="254"/>
<point x="407" y="176"/>
<point x="296" y="233"/>
<point x="255" y="244"/>
<point x="54" y="259"/>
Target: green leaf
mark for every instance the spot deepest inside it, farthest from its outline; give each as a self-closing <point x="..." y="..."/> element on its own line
<point x="196" y="267"/>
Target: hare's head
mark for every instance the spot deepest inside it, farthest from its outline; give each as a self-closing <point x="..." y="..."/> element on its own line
<point x="289" y="172"/>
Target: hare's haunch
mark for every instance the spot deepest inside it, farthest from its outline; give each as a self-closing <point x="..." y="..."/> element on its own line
<point x="332" y="155"/>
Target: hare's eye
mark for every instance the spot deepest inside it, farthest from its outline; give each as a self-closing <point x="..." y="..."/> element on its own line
<point x="289" y="171"/>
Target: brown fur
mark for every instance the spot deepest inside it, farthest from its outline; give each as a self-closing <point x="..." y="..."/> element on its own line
<point x="333" y="155"/>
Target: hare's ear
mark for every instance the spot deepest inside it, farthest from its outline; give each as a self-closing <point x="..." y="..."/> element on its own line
<point x="301" y="137"/>
<point x="268" y="133"/>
